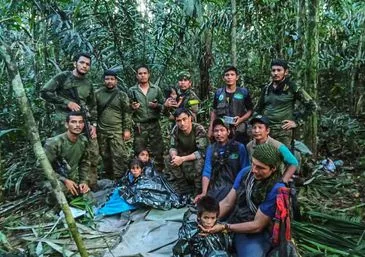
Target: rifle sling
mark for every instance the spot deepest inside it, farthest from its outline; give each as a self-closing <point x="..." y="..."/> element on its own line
<point x="111" y="98"/>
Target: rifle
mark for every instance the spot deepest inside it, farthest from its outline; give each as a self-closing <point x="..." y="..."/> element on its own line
<point x="293" y="191"/>
<point x="134" y="97"/>
<point x="84" y="112"/>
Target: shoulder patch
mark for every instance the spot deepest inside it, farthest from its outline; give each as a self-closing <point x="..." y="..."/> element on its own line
<point x="238" y="96"/>
<point x="233" y="156"/>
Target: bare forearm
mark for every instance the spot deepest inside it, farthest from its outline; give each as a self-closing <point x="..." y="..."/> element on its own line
<point x="246" y="227"/>
<point x="289" y="172"/>
<point x="205" y="184"/>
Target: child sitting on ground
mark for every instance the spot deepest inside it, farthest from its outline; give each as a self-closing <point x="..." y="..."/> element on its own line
<point x="148" y="166"/>
<point x="192" y="242"/>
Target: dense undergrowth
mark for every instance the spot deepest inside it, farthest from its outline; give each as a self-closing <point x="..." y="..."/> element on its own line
<point x="332" y="204"/>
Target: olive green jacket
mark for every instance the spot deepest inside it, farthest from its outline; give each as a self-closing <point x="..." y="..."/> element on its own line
<point x="116" y="117"/>
<point x="144" y="113"/>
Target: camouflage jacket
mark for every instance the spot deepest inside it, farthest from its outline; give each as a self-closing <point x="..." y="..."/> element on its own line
<point x="59" y="91"/>
<point x="75" y="154"/>
<point x="196" y="142"/>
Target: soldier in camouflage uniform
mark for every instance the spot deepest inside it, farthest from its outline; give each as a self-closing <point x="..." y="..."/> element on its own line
<point x="69" y="155"/>
<point x="146" y="103"/>
<point x="277" y="103"/>
<point x="114" y="126"/>
<point x="62" y="91"/>
<point x="186" y="96"/>
<point x="187" y="148"/>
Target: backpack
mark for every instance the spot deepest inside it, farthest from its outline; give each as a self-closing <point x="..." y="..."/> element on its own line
<point x="281" y="238"/>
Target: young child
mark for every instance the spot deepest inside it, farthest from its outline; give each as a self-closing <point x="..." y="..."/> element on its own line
<point x="147" y="164"/>
<point x="192" y="242"/>
<point x="173" y="100"/>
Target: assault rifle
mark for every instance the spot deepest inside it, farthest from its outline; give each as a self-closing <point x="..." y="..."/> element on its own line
<point x="61" y="167"/>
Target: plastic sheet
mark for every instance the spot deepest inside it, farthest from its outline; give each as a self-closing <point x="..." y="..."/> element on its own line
<point x="152" y="191"/>
<point x="190" y="243"/>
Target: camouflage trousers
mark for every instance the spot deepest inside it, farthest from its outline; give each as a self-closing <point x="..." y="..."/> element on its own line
<point x="187" y="178"/>
<point x="283" y="136"/>
<point x="148" y="136"/>
<point x="114" y="154"/>
<point x="59" y="120"/>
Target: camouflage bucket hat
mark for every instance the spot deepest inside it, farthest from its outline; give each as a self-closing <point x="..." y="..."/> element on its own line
<point x="184" y="75"/>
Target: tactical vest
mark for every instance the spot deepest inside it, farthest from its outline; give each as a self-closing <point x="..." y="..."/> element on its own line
<point x="225" y="166"/>
<point x="237" y="105"/>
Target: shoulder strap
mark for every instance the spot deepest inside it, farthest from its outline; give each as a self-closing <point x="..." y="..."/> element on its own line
<point x="111" y="98"/>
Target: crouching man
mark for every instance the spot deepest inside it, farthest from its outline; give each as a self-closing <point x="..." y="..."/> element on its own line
<point x="69" y="156"/>
<point x="252" y="203"/>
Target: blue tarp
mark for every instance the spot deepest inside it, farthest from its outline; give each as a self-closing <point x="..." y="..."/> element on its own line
<point x="115" y="205"/>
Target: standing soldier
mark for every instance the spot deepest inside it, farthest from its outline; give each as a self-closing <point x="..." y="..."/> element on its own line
<point x="114" y="126"/>
<point x="277" y="103"/>
<point x="234" y="105"/>
<point x="146" y="103"/>
<point x="186" y="97"/>
<point x="72" y="91"/>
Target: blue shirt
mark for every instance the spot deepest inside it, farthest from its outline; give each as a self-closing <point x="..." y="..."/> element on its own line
<point x="244" y="160"/>
<point x="268" y="206"/>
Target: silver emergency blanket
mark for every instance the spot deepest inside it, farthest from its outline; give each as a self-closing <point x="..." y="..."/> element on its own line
<point x="192" y="243"/>
<point x="151" y="191"/>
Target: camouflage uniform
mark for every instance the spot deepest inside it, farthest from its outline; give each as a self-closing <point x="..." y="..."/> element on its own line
<point x="186" y="178"/>
<point x="278" y="104"/>
<point x="147" y="130"/>
<point x="76" y="155"/>
<point x="112" y="122"/>
<point x="59" y="91"/>
<point x="190" y="101"/>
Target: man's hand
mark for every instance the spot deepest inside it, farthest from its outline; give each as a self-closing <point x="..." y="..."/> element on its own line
<point x="71" y="186"/>
<point x="177" y="160"/>
<point x="237" y="121"/>
<point x="73" y="106"/>
<point x="93" y="132"/>
<point x="135" y="105"/>
<point x="126" y="135"/>
<point x="216" y="229"/>
<point x="288" y="124"/>
<point x="198" y="197"/>
<point x="153" y="105"/>
<point x="84" y="188"/>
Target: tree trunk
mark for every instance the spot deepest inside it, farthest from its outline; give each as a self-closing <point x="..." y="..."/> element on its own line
<point x="1" y="179"/>
<point x="24" y="106"/>
<point x="312" y="60"/>
<point x="205" y="63"/>
<point x="234" y="33"/>
<point x="355" y="92"/>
